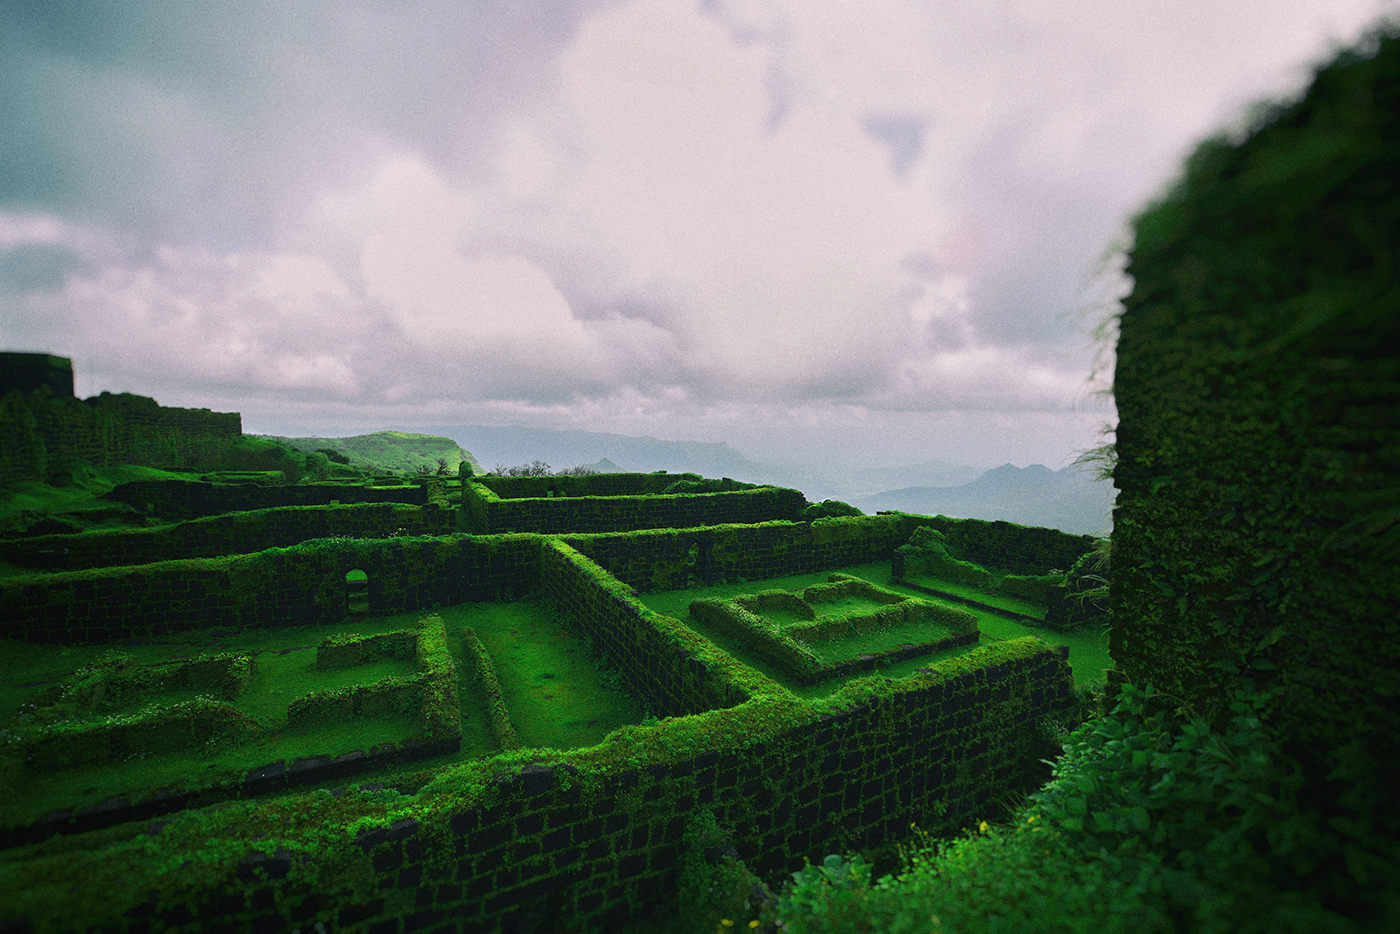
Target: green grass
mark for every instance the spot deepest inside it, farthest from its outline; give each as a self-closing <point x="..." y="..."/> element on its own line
<point x="79" y="503"/>
<point x="577" y="705"/>
<point x="557" y="693"/>
<point x="676" y="603"/>
<point x="886" y="640"/>
<point x="893" y="671"/>
<point x="871" y="643"/>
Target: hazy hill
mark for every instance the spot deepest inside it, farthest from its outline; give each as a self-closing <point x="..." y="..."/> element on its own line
<point x="514" y="445"/>
<point x="820" y="482"/>
<point x="399" y="451"/>
<point x="1067" y="499"/>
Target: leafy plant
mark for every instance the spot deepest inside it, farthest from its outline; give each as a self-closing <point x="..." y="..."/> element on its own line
<point x="835" y="889"/>
<point x="1154" y="820"/>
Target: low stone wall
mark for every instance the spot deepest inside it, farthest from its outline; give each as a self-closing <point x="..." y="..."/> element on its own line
<point x="302" y="585"/>
<point x="670" y="559"/>
<point x="595" y="836"/>
<point x="486" y="511"/>
<point x="238" y="533"/>
<point x="658" y="657"/>
<point x="1010" y="547"/>
<point x="190" y="499"/>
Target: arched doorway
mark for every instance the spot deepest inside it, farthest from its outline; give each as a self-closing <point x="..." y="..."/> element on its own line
<point x="356" y="592"/>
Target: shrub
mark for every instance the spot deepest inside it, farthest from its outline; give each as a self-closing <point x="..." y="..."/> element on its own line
<point x="1030" y="587"/>
<point x="829" y="509"/>
<point x="335" y="457"/>
<point x="250" y="453"/>
<point x="1154" y="820"/>
<point x="693" y="486"/>
<point x="927" y="554"/>
<point x="318" y="465"/>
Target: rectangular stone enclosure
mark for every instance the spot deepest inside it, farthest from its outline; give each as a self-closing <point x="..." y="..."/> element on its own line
<point x="595" y="834"/>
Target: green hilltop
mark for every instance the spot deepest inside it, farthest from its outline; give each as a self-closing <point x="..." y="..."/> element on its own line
<point x="389" y="450"/>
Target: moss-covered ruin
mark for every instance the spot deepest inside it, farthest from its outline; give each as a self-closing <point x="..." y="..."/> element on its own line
<point x="594" y="831"/>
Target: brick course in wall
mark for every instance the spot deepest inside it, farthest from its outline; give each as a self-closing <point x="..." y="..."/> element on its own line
<point x="657" y="657"/>
<point x="669" y="559"/>
<point x="601" y="845"/>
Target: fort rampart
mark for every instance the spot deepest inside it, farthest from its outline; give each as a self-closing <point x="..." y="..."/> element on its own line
<point x="38" y="428"/>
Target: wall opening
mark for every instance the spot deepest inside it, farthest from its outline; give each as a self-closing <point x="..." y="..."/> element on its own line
<point x="356" y="592"/>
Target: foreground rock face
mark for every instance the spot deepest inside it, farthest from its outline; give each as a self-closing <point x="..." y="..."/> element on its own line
<point x="1258" y="447"/>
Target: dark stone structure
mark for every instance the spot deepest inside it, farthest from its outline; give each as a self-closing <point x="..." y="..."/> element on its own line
<point x="1258" y="450"/>
<point x="27" y="372"/>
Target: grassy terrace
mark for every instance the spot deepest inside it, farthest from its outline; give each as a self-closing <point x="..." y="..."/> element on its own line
<point x="557" y="693"/>
<point x="1088" y="651"/>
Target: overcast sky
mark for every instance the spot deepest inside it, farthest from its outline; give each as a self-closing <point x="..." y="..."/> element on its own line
<point x="872" y="232"/>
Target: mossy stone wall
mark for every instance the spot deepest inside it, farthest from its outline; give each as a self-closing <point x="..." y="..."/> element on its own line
<point x="600" y="484"/>
<point x="191" y="499"/>
<point x="487" y="507"/>
<point x="301" y="585"/>
<point x="106" y="430"/>
<point x="1010" y="547"/>
<point x="1258" y="447"/>
<point x="595" y="835"/>
<point x="673" y="559"/>
<point x="237" y="533"/>
<point x="659" y="658"/>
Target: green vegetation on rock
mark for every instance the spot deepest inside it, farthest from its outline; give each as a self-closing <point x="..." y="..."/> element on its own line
<point x="389" y="451"/>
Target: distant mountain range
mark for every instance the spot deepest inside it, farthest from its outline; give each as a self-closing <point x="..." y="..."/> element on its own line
<point x="509" y="446"/>
<point x="1065" y="499"/>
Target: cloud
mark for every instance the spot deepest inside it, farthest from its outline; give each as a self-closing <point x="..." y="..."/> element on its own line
<point x="803" y="226"/>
